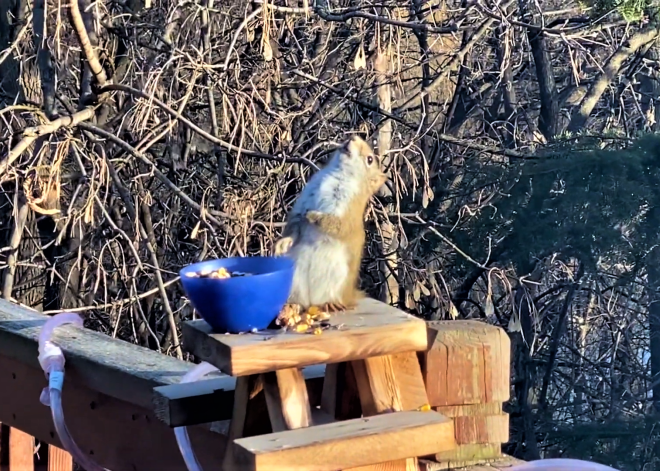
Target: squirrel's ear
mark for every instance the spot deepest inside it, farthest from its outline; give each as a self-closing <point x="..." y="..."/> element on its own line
<point x="350" y="145"/>
<point x="355" y="146"/>
<point x="347" y="148"/>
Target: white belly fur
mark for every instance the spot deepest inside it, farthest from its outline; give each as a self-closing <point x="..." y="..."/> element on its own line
<point x="321" y="269"/>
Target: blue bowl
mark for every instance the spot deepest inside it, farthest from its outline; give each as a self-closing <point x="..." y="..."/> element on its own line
<point x="240" y="304"/>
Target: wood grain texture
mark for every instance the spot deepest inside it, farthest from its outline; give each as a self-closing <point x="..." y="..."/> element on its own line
<point x="21" y="450"/>
<point x="470" y="454"/>
<point x="478" y="423"/>
<point x="396" y="465"/>
<point x="346" y="444"/>
<point x="410" y="381"/>
<point x="101" y="363"/>
<point x="4" y="447"/>
<point x="392" y="383"/>
<point x="288" y="403"/>
<point x="372" y="329"/>
<point x="484" y="429"/>
<point x="376" y="381"/>
<point x="468" y="362"/>
<point x="498" y="464"/>
<point x="489" y="408"/>
<point x="59" y="459"/>
<point x="122" y="436"/>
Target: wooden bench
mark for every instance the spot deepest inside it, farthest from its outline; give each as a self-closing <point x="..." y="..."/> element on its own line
<point x="346" y="444"/>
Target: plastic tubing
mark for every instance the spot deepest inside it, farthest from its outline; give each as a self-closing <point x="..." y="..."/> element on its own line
<point x="181" y="433"/>
<point x="561" y="464"/>
<point x="51" y="360"/>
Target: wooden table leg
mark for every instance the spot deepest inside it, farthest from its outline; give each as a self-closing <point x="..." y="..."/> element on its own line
<point x="245" y="388"/>
<point x="340" y="399"/>
<point x="286" y="396"/>
<point x="387" y="384"/>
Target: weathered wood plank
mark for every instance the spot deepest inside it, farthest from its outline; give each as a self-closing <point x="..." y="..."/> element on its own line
<point x="466" y="371"/>
<point x="121" y="436"/>
<point x="373" y="329"/>
<point x="4" y="447"/>
<point x="194" y="403"/>
<point x="346" y="444"/>
<point x="468" y="362"/>
<point x="21" y="450"/>
<point x="59" y="459"/>
<point x="478" y="423"/>
<point x="469" y="454"/>
<point x="119" y="369"/>
<point x="210" y="400"/>
<point x="498" y="464"/>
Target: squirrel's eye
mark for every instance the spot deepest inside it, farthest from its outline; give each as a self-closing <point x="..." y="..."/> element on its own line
<point x="370" y="159"/>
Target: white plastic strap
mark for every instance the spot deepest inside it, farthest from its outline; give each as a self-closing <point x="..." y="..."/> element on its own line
<point x="50" y="350"/>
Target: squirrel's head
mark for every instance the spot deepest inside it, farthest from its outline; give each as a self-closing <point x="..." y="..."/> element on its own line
<point x="356" y="154"/>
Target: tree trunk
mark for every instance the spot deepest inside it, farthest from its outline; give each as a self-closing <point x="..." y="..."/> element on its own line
<point x="522" y="338"/>
<point x="649" y="88"/>
<point x="389" y="291"/>
<point x="609" y="73"/>
<point x="549" y="117"/>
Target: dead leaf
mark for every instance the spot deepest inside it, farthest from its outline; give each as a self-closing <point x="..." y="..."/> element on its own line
<point x="89" y="214"/>
<point x="47" y="212"/>
<point x="514" y="323"/>
<point x="403" y="240"/>
<point x="416" y="292"/>
<point x="453" y="312"/>
<point x="489" y="309"/>
<point x="410" y="302"/>
<point x="427" y="196"/>
<point x="195" y="231"/>
<point x="268" y="51"/>
<point x="360" y="61"/>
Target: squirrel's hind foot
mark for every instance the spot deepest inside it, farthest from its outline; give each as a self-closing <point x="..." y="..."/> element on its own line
<point x="333" y="307"/>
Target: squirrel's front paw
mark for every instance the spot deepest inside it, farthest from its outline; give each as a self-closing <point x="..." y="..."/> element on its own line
<point x="314" y="216"/>
<point x="283" y="245"/>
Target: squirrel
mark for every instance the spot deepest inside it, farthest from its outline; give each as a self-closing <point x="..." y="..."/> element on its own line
<point x="324" y="232"/>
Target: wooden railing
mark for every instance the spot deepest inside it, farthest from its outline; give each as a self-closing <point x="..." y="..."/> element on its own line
<point x="109" y="401"/>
